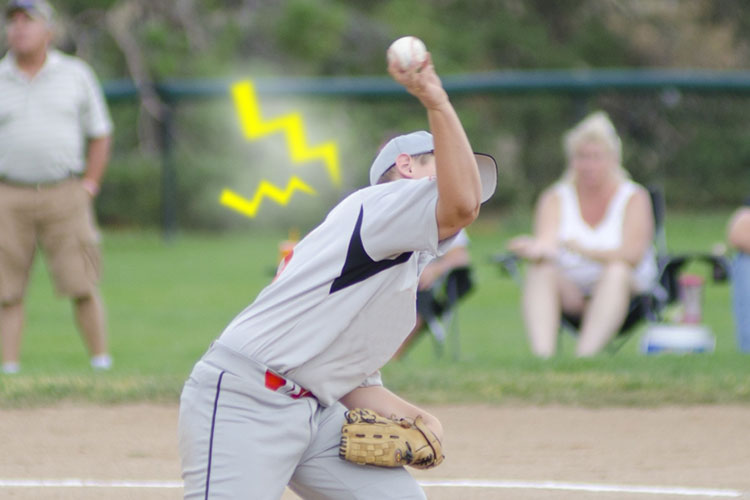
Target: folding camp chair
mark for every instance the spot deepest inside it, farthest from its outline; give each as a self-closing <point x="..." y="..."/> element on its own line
<point x="438" y="305"/>
<point x="649" y="306"/>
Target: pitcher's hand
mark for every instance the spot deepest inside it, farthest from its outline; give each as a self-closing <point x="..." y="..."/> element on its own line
<point x="421" y="80"/>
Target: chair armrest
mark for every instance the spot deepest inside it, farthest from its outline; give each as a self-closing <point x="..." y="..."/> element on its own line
<point x="458" y="283"/>
<point x="671" y="265"/>
<point x="509" y="264"/>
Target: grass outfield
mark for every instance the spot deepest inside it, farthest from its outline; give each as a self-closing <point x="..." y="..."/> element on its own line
<point x="167" y="301"/>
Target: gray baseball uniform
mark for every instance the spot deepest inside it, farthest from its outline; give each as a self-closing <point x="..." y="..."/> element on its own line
<point x="259" y="411"/>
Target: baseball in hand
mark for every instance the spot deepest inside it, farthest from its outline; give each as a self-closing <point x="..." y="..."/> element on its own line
<point x="407" y="50"/>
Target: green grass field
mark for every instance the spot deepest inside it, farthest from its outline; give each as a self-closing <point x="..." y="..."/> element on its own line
<point x="168" y="301"/>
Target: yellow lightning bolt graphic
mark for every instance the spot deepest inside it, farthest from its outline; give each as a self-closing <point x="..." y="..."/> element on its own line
<point x="265" y="189"/>
<point x="254" y="127"/>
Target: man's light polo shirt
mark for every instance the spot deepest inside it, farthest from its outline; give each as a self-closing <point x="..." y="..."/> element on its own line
<point x="46" y="120"/>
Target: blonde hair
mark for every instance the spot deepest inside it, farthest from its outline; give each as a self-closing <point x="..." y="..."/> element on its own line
<point x="596" y="127"/>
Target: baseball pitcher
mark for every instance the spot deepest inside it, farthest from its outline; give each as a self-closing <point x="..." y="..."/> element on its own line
<point x="290" y="393"/>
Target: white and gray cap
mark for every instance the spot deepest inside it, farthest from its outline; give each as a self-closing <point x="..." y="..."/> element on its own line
<point x="38" y="9"/>
<point x="421" y="142"/>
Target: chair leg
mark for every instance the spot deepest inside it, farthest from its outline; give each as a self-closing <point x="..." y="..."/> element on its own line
<point x="436" y="328"/>
<point x="439" y="348"/>
<point x="454" y="337"/>
<point x="616" y="344"/>
<point x="449" y="319"/>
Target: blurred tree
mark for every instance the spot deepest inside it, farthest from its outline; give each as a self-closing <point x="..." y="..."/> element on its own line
<point x="667" y="135"/>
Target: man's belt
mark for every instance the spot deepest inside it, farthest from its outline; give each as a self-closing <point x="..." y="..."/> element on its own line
<point x="277" y="383"/>
<point x="35" y="185"/>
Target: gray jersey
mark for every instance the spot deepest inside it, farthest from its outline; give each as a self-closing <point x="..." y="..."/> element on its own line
<point x="346" y="299"/>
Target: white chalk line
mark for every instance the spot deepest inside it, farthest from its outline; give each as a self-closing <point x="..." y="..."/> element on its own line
<point x="85" y="483"/>
<point x="446" y="483"/>
<point x="593" y="488"/>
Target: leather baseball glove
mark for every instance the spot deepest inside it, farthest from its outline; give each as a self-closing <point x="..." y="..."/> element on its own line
<point x="369" y="439"/>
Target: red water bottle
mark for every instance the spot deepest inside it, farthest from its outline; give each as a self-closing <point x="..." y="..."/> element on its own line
<point x="691" y="298"/>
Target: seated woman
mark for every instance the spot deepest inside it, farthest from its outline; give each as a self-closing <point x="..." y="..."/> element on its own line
<point x="591" y="250"/>
<point x="739" y="238"/>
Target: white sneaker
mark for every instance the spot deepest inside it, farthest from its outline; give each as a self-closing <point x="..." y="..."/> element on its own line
<point x="11" y="368"/>
<point x="101" y="362"/>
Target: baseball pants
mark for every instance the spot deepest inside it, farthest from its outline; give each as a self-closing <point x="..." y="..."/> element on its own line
<point x="240" y="440"/>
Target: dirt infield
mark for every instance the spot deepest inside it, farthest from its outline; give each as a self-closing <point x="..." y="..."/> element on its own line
<point x="551" y="452"/>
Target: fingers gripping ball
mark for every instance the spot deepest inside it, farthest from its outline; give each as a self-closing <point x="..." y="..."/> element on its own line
<point x="369" y="439"/>
<point x="407" y="50"/>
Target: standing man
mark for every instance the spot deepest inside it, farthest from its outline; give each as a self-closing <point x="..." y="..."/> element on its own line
<point x="738" y="234"/>
<point x="265" y="405"/>
<point x="54" y="147"/>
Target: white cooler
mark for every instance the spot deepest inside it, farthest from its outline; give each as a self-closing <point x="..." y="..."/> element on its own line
<point x="677" y="338"/>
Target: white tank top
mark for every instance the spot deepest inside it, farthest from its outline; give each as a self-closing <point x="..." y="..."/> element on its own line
<point x="607" y="235"/>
